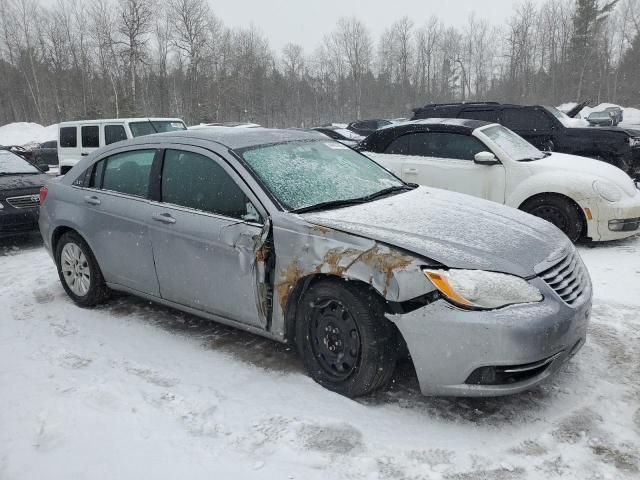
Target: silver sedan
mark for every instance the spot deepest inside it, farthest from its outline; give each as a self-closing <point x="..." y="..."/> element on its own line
<point x="298" y="238"/>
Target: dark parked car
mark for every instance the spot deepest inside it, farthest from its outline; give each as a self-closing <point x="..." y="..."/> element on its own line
<point x="602" y="119"/>
<point x="20" y="184"/>
<point x="549" y="129"/>
<point x="46" y="153"/>
<point x="367" y="127"/>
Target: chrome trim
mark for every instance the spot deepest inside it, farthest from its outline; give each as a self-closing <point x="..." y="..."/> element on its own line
<point x="533" y="366"/>
<point x="24" y="201"/>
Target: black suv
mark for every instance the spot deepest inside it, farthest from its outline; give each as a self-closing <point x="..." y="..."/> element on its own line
<point x="549" y="129"/>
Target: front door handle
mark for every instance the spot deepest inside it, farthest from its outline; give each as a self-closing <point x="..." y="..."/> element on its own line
<point x="84" y="154"/>
<point x="92" y="200"/>
<point x="164" y="218"/>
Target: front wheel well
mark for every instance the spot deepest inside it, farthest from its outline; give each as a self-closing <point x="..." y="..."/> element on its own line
<point x="303" y="284"/>
<point x="562" y="197"/>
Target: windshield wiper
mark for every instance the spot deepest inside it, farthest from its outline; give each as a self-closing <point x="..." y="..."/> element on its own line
<point x="353" y="201"/>
<point x="329" y="205"/>
<point x="387" y="191"/>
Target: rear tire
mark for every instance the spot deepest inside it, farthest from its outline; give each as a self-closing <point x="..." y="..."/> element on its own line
<point x="346" y="343"/>
<point x="79" y="271"/>
<point x="561" y="212"/>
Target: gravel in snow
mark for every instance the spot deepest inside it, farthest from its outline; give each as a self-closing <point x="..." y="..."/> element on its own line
<point x="134" y="390"/>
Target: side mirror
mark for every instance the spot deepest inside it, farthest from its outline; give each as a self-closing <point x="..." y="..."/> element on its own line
<point x="486" y="158"/>
<point x="252" y="214"/>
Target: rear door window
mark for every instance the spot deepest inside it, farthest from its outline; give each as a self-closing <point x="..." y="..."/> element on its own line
<point x="484" y="115"/>
<point x="114" y="133"/>
<point x="69" y="137"/>
<point x="194" y="181"/>
<point x="127" y="172"/>
<point x="90" y="136"/>
<point x="445" y="145"/>
<point x="527" y="119"/>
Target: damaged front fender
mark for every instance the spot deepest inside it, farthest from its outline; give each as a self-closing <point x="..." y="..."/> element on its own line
<point x="304" y="251"/>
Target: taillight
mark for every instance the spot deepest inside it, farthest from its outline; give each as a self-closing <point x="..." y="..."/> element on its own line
<point x="43" y="194"/>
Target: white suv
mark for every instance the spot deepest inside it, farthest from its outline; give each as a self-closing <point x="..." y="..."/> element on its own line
<point x="78" y="139"/>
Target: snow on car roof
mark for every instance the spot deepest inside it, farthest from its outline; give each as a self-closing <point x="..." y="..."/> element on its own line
<point x="236" y="138"/>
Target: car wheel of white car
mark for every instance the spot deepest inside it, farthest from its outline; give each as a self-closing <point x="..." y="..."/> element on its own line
<point x="346" y="343"/>
<point x="79" y="272"/>
<point x="559" y="211"/>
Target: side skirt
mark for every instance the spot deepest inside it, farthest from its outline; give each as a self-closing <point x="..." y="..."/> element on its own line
<point x="199" y="313"/>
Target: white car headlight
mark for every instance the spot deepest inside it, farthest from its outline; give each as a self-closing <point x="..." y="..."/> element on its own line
<point x="608" y="191"/>
<point x="477" y="289"/>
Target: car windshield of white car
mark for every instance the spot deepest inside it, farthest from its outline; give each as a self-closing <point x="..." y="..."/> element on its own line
<point x="322" y="174"/>
<point x="513" y="145"/>
<point x="11" y="164"/>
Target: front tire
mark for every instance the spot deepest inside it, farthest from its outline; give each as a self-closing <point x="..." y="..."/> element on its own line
<point x="79" y="271"/>
<point x="559" y="211"/>
<point x="346" y="343"/>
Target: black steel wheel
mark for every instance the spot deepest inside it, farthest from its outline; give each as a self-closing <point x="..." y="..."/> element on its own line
<point x="334" y="338"/>
<point x="559" y="211"/>
<point x="344" y="339"/>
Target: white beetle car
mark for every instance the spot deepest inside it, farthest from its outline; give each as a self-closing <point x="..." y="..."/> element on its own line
<point x="585" y="198"/>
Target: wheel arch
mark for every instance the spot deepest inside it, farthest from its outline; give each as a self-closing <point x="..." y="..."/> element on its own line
<point x="305" y="283"/>
<point x="564" y="197"/>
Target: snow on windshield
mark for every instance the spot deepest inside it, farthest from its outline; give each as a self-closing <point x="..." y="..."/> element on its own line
<point x="513" y="145"/>
<point x="13" y="164"/>
<point x="309" y="173"/>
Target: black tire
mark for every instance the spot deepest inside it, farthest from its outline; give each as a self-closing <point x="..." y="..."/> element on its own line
<point x="97" y="291"/>
<point x="559" y="211"/>
<point x="344" y="317"/>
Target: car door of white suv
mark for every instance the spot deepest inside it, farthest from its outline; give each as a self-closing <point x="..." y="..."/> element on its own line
<point x="446" y="160"/>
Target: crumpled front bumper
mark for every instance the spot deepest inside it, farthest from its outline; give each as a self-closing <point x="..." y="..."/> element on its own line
<point x="448" y="344"/>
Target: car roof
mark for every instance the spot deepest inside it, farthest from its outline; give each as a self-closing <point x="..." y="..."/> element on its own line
<point x="233" y="138"/>
<point x="120" y="120"/>
<point x="445" y="124"/>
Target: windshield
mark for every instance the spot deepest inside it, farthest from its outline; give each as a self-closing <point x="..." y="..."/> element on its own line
<point x="513" y="145"/>
<point x="600" y="115"/>
<point x="149" y="127"/>
<point x="303" y="174"/>
<point x="11" y="164"/>
<point x="565" y="119"/>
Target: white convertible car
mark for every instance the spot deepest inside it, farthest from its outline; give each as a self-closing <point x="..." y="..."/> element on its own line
<point x="585" y="198"/>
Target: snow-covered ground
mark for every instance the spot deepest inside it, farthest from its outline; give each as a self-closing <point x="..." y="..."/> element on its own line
<point x="23" y="133"/>
<point x="133" y="390"/>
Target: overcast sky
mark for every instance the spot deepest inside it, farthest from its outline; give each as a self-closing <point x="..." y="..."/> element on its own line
<point x="307" y="21"/>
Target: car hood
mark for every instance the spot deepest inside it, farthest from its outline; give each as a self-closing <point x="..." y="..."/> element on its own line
<point x="594" y="128"/>
<point x="586" y="166"/>
<point x="456" y="230"/>
<point x="23" y="182"/>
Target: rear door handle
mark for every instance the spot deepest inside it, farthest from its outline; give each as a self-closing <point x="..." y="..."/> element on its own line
<point x="164" y="218"/>
<point x="84" y="154"/>
<point x="92" y="200"/>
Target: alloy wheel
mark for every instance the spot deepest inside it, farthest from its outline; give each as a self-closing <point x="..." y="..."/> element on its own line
<point x="75" y="269"/>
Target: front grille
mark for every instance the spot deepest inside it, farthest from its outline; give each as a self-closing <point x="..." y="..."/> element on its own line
<point x="25" y="201"/>
<point x="568" y="278"/>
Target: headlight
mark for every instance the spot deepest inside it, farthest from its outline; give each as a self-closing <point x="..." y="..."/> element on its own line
<point x="608" y="191"/>
<point x="477" y="289"/>
<point x="634" y="142"/>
